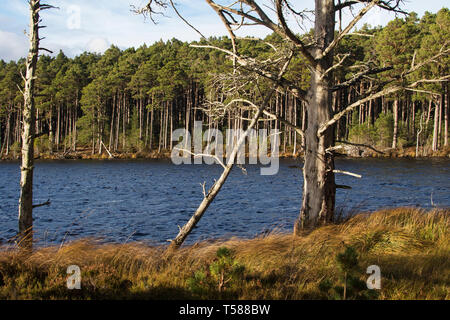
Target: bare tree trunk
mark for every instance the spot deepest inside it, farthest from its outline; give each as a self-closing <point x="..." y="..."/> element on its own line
<point x="418" y="135"/>
<point x="58" y="127"/>
<point x="295" y="123"/>
<point x="151" y="130"/>
<point x="166" y="125"/>
<point x="51" y="135"/>
<point x="124" y="124"/>
<point x="171" y="126"/>
<point x="26" y="177"/>
<point x="93" y="134"/>
<point x="1" y="144"/>
<point x="188" y="111"/>
<point x="436" y="129"/>
<point x="74" y="124"/>
<point x="147" y="128"/>
<point x="99" y="131"/>
<point x="441" y="108"/>
<point x="303" y="117"/>
<point x="430" y="105"/>
<point x="161" y="114"/>
<point x="446" y="116"/>
<point x="394" y="136"/>
<point x="111" y="132"/>
<point x="7" y="133"/>
<point x="413" y="115"/>
<point x="66" y="127"/>
<point x="319" y="189"/>
<point x="116" y="143"/>
<point x="141" y="118"/>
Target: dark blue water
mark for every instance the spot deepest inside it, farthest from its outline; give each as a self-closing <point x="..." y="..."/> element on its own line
<point x="145" y="200"/>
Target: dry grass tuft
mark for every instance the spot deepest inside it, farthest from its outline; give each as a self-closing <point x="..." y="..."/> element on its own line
<point x="410" y="245"/>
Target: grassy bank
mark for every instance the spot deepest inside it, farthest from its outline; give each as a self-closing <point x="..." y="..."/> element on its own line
<point x="411" y="247"/>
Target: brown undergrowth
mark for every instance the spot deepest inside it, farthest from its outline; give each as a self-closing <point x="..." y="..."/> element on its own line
<point x="411" y="247"/>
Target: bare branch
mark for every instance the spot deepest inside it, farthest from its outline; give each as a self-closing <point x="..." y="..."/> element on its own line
<point x="20" y="89"/>
<point x="335" y="66"/>
<point x="359" y="76"/>
<point x="289" y="34"/>
<point x="284" y="121"/>
<point x="347" y="29"/>
<point x="184" y="20"/>
<point x="415" y="67"/>
<point x="370" y="96"/>
<point x="339" y="115"/>
<point x="46" y="203"/>
<point x="45" y="49"/>
<point x="423" y="91"/>
<point x="341" y="186"/>
<point x="360" y="145"/>
<point x="264" y="20"/>
<point x="204" y="194"/>
<point x="198" y="155"/>
<point x="416" y="83"/>
<point x="151" y="9"/>
<point x="227" y="25"/>
<point x="386" y="5"/>
<point x="250" y="65"/>
<point x="361" y="34"/>
<point x="45" y="6"/>
<point x="348" y="173"/>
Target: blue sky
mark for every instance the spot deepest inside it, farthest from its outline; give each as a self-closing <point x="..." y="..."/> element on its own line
<point x="87" y="25"/>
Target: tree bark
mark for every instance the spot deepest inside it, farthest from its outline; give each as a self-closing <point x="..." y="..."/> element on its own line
<point x="124" y="121"/>
<point x="141" y="119"/>
<point x="435" y="128"/>
<point x="26" y="177"/>
<point x="446" y="116"/>
<point x="395" y="112"/>
<point x="74" y="124"/>
<point x="151" y="130"/>
<point x="319" y="188"/>
<point x="441" y="107"/>
<point x="58" y="127"/>
<point x="111" y="132"/>
<point x="51" y="131"/>
<point x="7" y="133"/>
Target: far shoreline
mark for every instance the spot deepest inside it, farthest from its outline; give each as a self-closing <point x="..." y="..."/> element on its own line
<point x="353" y="153"/>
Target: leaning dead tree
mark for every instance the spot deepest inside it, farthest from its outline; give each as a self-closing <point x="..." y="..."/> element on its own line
<point x="209" y="196"/>
<point x="25" y="237"/>
<point x="317" y="50"/>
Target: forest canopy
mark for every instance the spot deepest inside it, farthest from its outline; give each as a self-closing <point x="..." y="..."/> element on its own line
<point x="131" y="100"/>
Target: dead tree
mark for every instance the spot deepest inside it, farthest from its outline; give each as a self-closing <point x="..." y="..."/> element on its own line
<point x="26" y="178"/>
<point x="208" y="197"/>
<point x="319" y="188"/>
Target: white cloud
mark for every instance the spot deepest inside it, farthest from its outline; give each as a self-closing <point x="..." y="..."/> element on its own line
<point x="94" y="25"/>
<point x="97" y="45"/>
<point x="13" y="46"/>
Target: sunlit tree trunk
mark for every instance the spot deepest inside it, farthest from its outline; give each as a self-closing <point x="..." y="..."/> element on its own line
<point x="26" y="177"/>
<point x="394" y="136"/>
<point x="446" y="101"/>
<point x="319" y="188"/>
<point x="435" y="128"/>
<point x="51" y="135"/>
